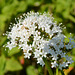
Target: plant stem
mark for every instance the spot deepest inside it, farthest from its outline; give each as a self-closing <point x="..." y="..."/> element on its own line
<point x="47" y="66"/>
<point x="56" y="71"/>
<point x="62" y="72"/>
<point x="45" y="71"/>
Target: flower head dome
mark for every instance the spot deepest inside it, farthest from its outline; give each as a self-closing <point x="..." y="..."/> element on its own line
<point x="38" y="35"/>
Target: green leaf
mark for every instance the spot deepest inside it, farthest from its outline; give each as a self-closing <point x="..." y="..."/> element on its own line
<point x="72" y="65"/>
<point x="2" y="24"/>
<point x="13" y="51"/>
<point x="2" y="40"/>
<point x="45" y="7"/>
<point x="2" y="3"/>
<point x="2" y="65"/>
<point x="73" y="51"/>
<point x="13" y="65"/>
<point x="31" y="71"/>
<point x="9" y="9"/>
<point x="22" y="6"/>
<point x="30" y="2"/>
<point x="72" y="18"/>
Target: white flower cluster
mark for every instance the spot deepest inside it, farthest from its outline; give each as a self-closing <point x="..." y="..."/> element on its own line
<point x="38" y="35"/>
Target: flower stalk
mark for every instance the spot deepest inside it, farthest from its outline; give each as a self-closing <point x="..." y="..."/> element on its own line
<point x="57" y="71"/>
<point x="62" y="72"/>
<point x="47" y="66"/>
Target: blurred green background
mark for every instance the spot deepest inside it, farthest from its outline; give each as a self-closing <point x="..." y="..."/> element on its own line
<point x="12" y="62"/>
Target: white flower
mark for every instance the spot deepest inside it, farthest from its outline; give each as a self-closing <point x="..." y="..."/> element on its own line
<point x="54" y="64"/>
<point x="38" y="35"/>
<point x="27" y="55"/>
<point x="37" y="53"/>
<point x="10" y="45"/>
<point x="54" y="57"/>
<point x="68" y="46"/>
<point x="40" y="61"/>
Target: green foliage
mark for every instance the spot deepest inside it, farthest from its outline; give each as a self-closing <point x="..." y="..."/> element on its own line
<point x="63" y="11"/>
<point x="13" y="65"/>
<point x="2" y="65"/>
<point x="31" y="71"/>
<point x="13" y="51"/>
<point x="2" y="39"/>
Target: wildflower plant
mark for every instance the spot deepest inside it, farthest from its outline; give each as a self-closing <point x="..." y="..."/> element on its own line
<point x="38" y="35"/>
